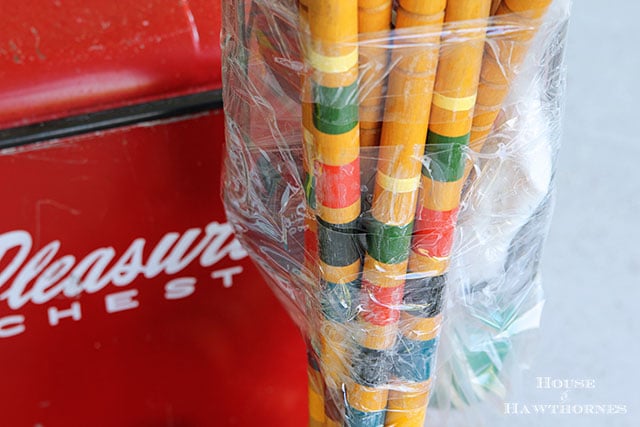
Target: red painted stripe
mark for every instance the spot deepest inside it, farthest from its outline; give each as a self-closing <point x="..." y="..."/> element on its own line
<point x="338" y="186"/>
<point x="381" y="305"/>
<point x="434" y="231"/>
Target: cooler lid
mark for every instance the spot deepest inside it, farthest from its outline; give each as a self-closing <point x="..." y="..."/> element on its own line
<point x="69" y="57"/>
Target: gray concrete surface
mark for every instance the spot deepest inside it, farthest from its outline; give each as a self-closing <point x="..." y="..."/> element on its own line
<point x="592" y="259"/>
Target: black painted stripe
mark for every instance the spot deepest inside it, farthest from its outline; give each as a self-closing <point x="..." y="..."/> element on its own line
<point x="370" y="367"/>
<point x="340" y="300"/>
<point x="338" y="244"/>
<point x="425" y="296"/>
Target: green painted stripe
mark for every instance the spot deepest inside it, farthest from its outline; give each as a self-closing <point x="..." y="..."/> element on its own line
<point x="415" y="360"/>
<point x="339" y="301"/>
<point x="335" y="110"/>
<point x="356" y="418"/>
<point x="338" y="245"/>
<point x="446" y="155"/>
<point x="388" y="243"/>
<point x="310" y="189"/>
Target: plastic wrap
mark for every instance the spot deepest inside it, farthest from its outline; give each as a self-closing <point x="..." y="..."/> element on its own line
<point x="390" y="169"/>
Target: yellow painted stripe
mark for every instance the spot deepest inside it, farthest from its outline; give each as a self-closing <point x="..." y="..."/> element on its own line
<point x="377" y="337"/>
<point x="454" y="104"/>
<point x="332" y="64"/>
<point x="441" y="195"/>
<point x="366" y="399"/>
<point x="397" y="185"/>
<point x="397" y="209"/>
<point x="420" y="328"/>
<point x="339" y="216"/>
<point x="316" y="406"/>
<point x="384" y="275"/>
<point x="334" y="356"/>
<point x="409" y="396"/>
<point x="337" y="150"/>
<point x="420" y="263"/>
<point x="340" y="275"/>
<point x="405" y="418"/>
<point x="408" y="408"/>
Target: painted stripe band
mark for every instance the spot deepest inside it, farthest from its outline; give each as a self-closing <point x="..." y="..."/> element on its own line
<point x="424" y="296"/>
<point x="337" y="150"/>
<point x="338" y="187"/>
<point x="415" y="359"/>
<point x="439" y="195"/>
<point x="366" y="399"/>
<point x="397" y="185"/>
<point x="370" y="367"/>
<point x="435" y="231"/>
<point x="335" y="110"/>
<point x="335" y="274"/>
<point x="357" y="418"/>
<point x="454" y="104"/>
<point x="447" y="155"/>
<point x="377" y="337"/>
<point x="380" y="306"/>
<point x="341" y="215"/>
<point x="407" y="407"/>
<point x="337" y="245"/>
<point x="420" y="328"/>
<point x="426" y="264"/>
<point x="384" y="275"/>
<point x="331" y="64"/>
<point x="388" y="244"/>
<point x="339" y="302"/>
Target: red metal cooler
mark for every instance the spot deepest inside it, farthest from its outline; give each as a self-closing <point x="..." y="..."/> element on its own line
<point x="124" y="299"/>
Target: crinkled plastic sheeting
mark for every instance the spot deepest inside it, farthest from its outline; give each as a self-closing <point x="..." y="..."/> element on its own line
<point x="390" y="169"/>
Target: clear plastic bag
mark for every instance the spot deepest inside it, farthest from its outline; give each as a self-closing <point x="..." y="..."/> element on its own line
<point x="395" y="188"/>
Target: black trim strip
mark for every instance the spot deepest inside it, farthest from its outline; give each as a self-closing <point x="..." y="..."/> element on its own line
<point x="108" y="119"/>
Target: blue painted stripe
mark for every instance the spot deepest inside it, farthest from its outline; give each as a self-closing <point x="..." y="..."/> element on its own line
<point x="356" y="418"/>
<point x="415" y="360"/>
